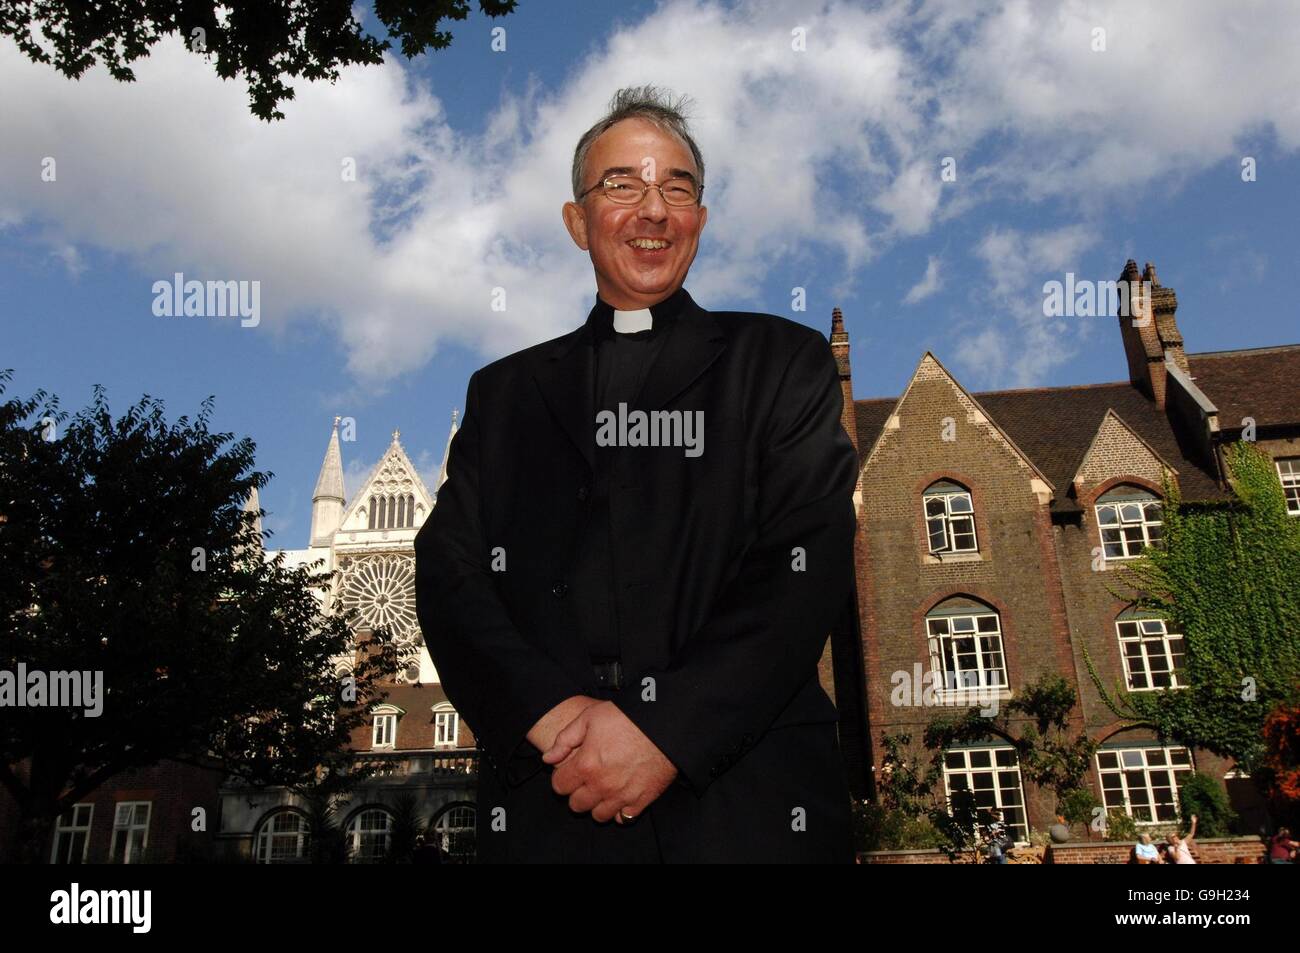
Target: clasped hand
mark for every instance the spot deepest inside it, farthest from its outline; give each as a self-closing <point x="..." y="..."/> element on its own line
<point x="605" y="764"/>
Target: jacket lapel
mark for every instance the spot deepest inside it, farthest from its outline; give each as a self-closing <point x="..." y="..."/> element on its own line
<point x="567" y="380"/>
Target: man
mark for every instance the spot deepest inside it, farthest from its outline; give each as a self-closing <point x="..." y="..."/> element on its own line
<point x="644" y="539"/>
<point x="1145" y="852"/>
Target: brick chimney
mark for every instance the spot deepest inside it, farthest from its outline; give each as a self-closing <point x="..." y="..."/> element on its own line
<point x="1150" y="333"/>
<point x="840" y="350"/>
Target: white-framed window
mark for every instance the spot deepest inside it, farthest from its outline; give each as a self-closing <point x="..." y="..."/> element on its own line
<point x="72" y="835"/>
<point x="1288" y="471"/>
<point x="368" y="835"/>
<point x="283" y="838"/>
<point x="385" y="731"/>
<point x="1143" y="782"/>
<point x="130" y="832"/>
<point x="992" y="774"/>
<point x="949" y="518"/>
<point x="446" y="726"/>
<point x="1130" y="519"/>
<point x="965" y="643"/>
<point x="455" y="833"/>
<point x="1153" y="656"/>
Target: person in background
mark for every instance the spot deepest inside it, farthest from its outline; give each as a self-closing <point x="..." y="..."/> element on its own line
<point x="1145" y="852"/>
<point x="999" y="841"/>
<point x="1281" y="848"/>
<point x="1180" y="847"/>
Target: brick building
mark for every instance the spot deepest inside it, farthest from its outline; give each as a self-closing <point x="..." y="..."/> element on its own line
<point x="991" y="524"/>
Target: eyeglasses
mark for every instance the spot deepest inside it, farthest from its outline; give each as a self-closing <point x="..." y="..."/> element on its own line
<point x="630" y="190"/>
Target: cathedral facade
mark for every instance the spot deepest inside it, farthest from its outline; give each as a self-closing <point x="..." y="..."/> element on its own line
<point x="424" y="752"/>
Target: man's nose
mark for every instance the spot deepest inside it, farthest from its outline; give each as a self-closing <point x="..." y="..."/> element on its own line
<point x="653" y="207"/>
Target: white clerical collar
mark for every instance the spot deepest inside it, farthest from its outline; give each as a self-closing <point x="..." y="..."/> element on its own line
<point x="626" y="322"/>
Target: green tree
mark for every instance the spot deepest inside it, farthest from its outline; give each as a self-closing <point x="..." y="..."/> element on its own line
<point x="262" y="40"/>
<point x="1228" y="577"/>
<point x="128" y="550"/>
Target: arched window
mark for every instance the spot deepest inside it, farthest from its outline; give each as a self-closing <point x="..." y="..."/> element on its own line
<point x="392" y="512"/>
<point x="1153" y="656"/>
<point x="372" y="513"/>
<point x="401" y="511"/>
<point x="283" y="838"/>
<point x="368" y="836"/>
<point x="1130" y="520"/>
<point x="454" y="831"/>
<point x="949" y="518"/>
<point x="965" y="642"/>
<point x="410" y="509"/>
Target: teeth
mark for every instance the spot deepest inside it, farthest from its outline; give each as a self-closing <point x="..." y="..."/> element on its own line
<point x="647" y="243"/>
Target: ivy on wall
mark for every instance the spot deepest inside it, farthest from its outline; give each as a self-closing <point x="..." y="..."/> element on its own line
<point x="1227" y="578"/>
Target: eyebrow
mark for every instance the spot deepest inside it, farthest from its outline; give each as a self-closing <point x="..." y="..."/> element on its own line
<point x="629" y="170"/>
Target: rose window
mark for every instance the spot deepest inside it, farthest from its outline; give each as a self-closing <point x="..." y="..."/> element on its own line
<point x="381" y="591"/>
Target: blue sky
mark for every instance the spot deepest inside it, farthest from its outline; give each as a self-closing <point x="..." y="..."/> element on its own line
<point x="823" y="173"/>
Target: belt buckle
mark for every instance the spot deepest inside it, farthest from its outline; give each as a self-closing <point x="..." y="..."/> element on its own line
<point x="609" y="673"/>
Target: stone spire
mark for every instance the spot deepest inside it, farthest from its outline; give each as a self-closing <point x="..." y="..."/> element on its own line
<point x="253" y="505"/>
<point x="328" y="499"/>
<point x="442" y="470"/>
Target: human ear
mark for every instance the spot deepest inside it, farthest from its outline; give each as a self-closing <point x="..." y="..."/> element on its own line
<point x="575" y="220"/>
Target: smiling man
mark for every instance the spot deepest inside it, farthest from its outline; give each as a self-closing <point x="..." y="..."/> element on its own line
<point x="631" y="630"/>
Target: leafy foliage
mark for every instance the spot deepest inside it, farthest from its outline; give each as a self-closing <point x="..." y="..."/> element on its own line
<point x="264" y="40"/>
<point x="1204" y="796"/>
<point x="1228" y="578"/>
<point x="129" y="551"/>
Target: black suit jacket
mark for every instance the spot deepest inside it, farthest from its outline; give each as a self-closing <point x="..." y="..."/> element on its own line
<point x="730" y="568"/>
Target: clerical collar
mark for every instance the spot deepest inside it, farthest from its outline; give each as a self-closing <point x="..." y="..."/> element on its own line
<point x="601" y="320"/>
<point x="626" y="322"/>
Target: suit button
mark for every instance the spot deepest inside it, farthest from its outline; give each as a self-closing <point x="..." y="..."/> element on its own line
<point x="582" y="494"/>
<point x="560" y="590"/>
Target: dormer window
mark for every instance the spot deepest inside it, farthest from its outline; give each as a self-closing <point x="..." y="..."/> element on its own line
<point x="949" y="518"/>
<point x="1130" y="519"/>
<point x="384" y="734"/>
<point x="446" y="726"/>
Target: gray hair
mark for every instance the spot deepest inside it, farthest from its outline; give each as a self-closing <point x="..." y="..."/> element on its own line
<point x="641" y="102"/>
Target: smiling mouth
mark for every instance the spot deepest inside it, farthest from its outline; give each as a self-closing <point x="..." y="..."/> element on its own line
<point x="649" y="244"/>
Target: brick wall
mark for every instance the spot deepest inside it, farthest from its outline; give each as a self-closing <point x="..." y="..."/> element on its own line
<point x="899" y="582"/>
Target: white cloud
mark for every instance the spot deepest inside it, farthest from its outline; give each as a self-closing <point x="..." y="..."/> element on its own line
<point x="815" y="159"/>
<point x="1013" y="344"/>
<point x="929" y="284"/>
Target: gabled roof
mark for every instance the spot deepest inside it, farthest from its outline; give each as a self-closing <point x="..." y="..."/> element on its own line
<point x="1262" y="382"/>
<point x="1113" y="419"/>
<point x="393" y="464"/>
<point x="930" y="362"/>
<point x="1055" y="426"/>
